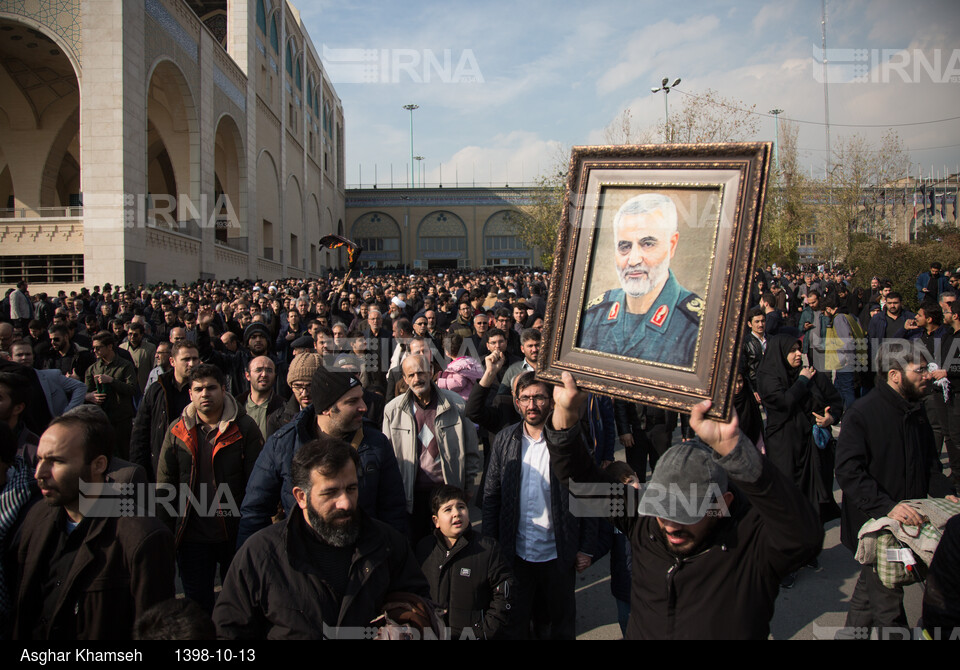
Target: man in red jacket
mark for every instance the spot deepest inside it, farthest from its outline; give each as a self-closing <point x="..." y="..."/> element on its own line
<point x="211" y="452"/>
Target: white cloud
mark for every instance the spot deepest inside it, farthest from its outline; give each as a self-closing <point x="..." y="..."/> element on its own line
<point x="646" y="44"/>
<point x="769" y="13"/>
<point x="510" y="158"/>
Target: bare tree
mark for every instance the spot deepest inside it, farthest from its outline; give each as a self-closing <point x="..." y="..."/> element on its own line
<point x="709" y="117"/>
<point x="852" y="199"/>
<point x="788" y="212"/>
<point x="537" y="222"/>
<point x="622" y="131"/>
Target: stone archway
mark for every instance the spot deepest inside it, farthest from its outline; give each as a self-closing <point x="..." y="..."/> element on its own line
<point x="230" y="175"/>
<point x="442" y="240"/>
<point x="501" y="246"/>
<point x="173" y="148"/>
<point x="380" y="236"/>
<point x="39" y="121"/>
<point x="268" y="206"/>
<point x="293" y="222"/>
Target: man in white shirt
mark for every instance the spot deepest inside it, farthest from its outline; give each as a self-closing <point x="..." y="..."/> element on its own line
<point x="526" y="509"/>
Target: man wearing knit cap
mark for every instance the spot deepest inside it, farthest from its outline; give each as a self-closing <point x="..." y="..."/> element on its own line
<point x="434" y="441"/>
<point x="299" y="377"/>
<point x="255" y="342"/>
<point x="336" y="410"/>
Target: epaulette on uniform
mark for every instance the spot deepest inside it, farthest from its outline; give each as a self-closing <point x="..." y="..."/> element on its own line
<point x="692" y="307"/>
<point x="598" y="300"/>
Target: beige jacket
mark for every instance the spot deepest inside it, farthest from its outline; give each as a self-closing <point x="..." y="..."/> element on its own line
<point x="456" y="439"/>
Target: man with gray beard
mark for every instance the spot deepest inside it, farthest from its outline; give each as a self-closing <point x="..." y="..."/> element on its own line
<point x="324" y="572"/>
<point x="651" y="317"/>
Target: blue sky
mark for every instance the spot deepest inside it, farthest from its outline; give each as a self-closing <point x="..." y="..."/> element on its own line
<point x="556" y="74"/>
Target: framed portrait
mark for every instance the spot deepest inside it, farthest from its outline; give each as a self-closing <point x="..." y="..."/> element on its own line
<point x="651" y="272"/>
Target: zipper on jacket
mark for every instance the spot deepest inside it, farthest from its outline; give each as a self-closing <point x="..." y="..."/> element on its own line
<point x="672" y="596"/>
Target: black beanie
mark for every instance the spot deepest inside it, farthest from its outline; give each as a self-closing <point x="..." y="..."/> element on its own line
<point x="327" y="387"/>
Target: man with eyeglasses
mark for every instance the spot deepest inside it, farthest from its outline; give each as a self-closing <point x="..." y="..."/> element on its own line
<point x="525" y="508"/>
<point x="885" y="455"/>
<point x="298" y="379"/>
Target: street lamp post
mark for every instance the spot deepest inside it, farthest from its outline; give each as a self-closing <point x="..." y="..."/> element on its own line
<point x="410" y="108"/>
<point x="419" y="160"/>
<point x="776" y="138"/>
<point x="666" y="107"/>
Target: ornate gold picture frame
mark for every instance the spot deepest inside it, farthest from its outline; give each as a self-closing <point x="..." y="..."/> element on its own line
<point x="651" y="272"/>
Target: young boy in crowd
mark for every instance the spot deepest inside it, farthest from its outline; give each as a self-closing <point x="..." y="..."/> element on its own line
<point x="467" y="574"/>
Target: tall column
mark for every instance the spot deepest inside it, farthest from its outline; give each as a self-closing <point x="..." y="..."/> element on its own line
<point x="112" y="139"/>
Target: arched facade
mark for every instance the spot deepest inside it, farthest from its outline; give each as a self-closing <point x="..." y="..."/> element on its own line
<point x="39" y="121"/>
<point x="192" y="163"/>
<point x="293" y="218"/>
<point x="40" y="161"/>
<point x="230" y="173"/>
<point x="501" y="246"/>
<point x="381" y="238"/>
<point x="442" y="240"/>
<point x="173" y="150"/>
<point x="268" y="207"/>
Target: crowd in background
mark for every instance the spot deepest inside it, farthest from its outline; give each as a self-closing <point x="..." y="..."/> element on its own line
<point x="428" y="375"/>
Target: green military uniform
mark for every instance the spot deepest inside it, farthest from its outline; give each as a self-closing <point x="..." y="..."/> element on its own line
<point x="666" y="334"/>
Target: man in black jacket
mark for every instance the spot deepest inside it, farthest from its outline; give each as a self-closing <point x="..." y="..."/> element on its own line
<point x="886" y="455"/>
<point x="698" y="574"/>
<point x="526" y="509"/>
<point x="325" y="572"/>
<point x="163" y="404"/>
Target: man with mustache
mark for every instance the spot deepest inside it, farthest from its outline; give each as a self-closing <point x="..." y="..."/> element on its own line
<point x="434" y="442"/>
<point x="325" y="572"/>
<point x="651" y="317"/>
<point x="526" y="509"/>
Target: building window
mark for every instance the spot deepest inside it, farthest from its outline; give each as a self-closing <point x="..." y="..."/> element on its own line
<point x="261" y="17"/>
<point x="289" y="61"/>
<point x="56" y="269"/>
<point x="451" y="244"/>
<point x="266" y="236"/>
<point x="379" y="243"/>
<point x="274" y="36"/>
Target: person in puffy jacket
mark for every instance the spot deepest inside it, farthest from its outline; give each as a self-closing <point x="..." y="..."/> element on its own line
<point x="462" y="372"/>
<point x="468" y="575"/>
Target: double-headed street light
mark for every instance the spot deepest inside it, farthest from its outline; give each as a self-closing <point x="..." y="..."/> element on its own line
<point x="666" y="87"/>
<point x="776" y="138"/>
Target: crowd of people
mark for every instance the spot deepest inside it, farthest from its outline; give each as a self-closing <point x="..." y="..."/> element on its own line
<point x="320" y="444"/>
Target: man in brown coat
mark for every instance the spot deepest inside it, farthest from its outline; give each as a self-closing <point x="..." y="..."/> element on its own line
<point x="85" y="577"/>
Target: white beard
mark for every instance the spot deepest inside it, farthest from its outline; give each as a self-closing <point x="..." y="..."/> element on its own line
<point x="637" y="288"/>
